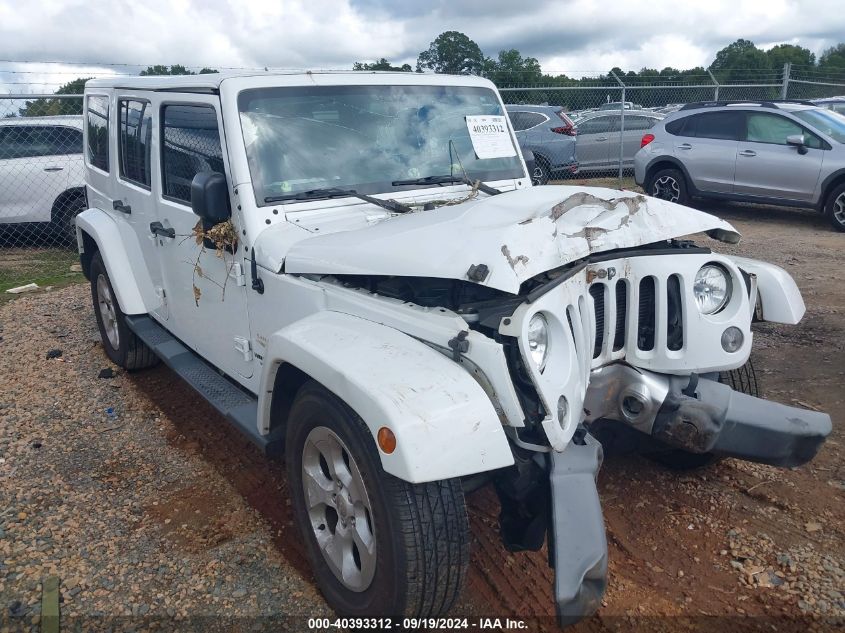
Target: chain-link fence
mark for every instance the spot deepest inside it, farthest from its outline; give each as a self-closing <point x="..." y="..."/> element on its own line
<point x="41" y="188"/>
<point x="589" y="127"/>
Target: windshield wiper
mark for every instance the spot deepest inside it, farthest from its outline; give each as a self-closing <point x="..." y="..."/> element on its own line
<point x="336" y="192"/>
<point x="442" y="180"/>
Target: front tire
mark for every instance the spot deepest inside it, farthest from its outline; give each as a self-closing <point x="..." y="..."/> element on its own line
<point x="379" y="546"/>
<point x="120" y="343"/>
<point x="63" y="219"/>
<point x="835" y="208"/>
<point x="668" y="184"/>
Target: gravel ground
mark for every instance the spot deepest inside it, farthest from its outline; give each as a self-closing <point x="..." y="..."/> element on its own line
<point x="160" y="510"/>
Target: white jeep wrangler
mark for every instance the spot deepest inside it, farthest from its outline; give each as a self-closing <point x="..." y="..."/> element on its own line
<point x="355" y="269"/>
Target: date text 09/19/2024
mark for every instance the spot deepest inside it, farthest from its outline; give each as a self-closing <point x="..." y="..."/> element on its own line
<point x="385" y="624"/>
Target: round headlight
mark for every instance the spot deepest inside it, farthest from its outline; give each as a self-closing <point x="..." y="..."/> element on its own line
<point x="538" y="340"/>
<point x="712" y="288"/>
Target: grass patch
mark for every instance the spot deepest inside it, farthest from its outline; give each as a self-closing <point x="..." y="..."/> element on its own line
<point x="43" y="266"/>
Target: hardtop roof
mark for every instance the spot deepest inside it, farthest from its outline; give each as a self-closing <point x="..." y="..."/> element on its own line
<point x="212" y="81"/>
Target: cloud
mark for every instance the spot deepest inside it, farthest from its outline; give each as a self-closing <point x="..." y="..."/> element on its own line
<point x="566" y="36"/>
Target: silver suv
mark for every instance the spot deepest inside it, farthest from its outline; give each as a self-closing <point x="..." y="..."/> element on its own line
<point x="786" y="153"/>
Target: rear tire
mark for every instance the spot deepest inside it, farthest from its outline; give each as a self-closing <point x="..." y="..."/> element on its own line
<point x="419" y="533"/>
<point x="834" y="209"/>
<point x="742" y="379"/>
<point x="542" y="173"/>
<point x="63" y="219"/>
<point x="120" y="343"/>
<point x="668" y="184"/>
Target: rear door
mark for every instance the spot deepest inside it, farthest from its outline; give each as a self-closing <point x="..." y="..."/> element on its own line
<point x="594" y="141"/>
<point x="766" y="166"/>
<point x="34" y="162"/>
<point x="707" y="145"/>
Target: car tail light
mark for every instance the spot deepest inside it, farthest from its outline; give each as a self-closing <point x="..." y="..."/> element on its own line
<point x="569" y="130"/>
<point x="647" y="138"/>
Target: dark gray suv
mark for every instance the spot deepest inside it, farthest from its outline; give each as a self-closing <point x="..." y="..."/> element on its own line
<point x="785" y="153"/>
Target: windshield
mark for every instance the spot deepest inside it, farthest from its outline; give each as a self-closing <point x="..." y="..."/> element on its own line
<point x="365" y="137"/>
<point x="824" y="121"/>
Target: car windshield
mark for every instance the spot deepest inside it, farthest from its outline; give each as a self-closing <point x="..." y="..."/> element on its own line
<point x="824" y="121"/>
<point x="365" y="138"/>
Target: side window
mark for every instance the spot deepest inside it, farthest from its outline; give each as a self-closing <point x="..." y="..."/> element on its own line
<point x="717" y="125"/>
<point x="98" y="132"/>
<point x="679" y="127"/>
<point x="65" y="140"/>
<point x="190" y="145"/>
<point x="771" y="128"/>
<point x="135" y="132"/>
<point x="639" y="122"/>
<point x="598" y="125"/>
<point x="525" y="120"/>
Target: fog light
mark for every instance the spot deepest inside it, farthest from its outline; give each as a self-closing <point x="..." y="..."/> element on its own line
<point x="732" y="339"/>
<point x="562" y="410"/>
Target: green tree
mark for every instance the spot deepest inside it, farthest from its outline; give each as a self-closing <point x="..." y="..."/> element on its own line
<point x="175" y="69"/>
<point x="789" y="53"/>
<point x="452" y="52"/>
<point x="56" y="107"/>
<point x="833" y="58"/>
<point x="511" y="68"/>
<point x="735" y="61"/>
<point x="381" y="64"/>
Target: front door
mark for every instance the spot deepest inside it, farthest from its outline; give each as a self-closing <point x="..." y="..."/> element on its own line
<point x="205" y="286"/>
<point x="766" y="166"/>
<point x="594" y="141"/>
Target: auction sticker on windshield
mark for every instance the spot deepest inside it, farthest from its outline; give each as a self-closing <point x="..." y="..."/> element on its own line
<point x="490" y="137"/>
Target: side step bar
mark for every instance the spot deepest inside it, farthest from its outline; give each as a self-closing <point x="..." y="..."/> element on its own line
<point x="238" y="405"/>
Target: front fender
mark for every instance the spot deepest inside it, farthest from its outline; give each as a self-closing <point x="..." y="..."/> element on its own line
<point x="779" y="295"/>
<point x="131" y="284"/>
<point x="445" y="425"/>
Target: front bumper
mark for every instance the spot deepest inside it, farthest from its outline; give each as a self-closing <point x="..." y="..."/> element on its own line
<point x="719" y="420"/>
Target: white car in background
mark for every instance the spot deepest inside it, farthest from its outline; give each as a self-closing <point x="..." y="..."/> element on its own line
<point x="41" y="172"/>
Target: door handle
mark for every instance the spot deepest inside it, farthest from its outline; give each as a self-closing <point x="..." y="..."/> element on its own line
<point x="602" y="138"/>
<point x="748" y="152"/>
<point x="157" y="228"/>
<point x="53" y="168"/>
<point x="684" y="146"/>
<point x="123" y="208"/>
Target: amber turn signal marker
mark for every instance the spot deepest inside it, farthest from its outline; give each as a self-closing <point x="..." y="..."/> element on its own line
<point x="386" y="440"/>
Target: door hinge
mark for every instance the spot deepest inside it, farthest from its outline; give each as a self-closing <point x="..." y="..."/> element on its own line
<point x="243" y="346"/>
<point x="237" y="273"/>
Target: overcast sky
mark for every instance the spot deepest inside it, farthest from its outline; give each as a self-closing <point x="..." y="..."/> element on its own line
<point x="572" y="36"/>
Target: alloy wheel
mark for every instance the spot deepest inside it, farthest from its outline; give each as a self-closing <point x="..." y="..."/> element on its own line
<point x="666" y="188"/>
<point x="339" y="509"/>
<point x="108" y="315"/>
<point x="839" y="209"/>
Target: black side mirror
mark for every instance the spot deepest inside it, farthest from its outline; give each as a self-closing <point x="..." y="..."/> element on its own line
<point x="530" y="163"/>
<point x="210" y="198"/>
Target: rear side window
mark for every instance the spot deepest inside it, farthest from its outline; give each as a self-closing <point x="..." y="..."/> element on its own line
<point x="677" y="126"/>
<point x="639" y="122"/>
<point x="526" y="120"/>
<point x="98" y="132"/>
<point x="135" y="131"/>
<point x="724" y="126"/>
<point x="190" y="145"/>
<point x="30" y="141"/>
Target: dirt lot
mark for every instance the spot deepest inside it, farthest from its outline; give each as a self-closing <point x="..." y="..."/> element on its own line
<point x="158" y="509"/>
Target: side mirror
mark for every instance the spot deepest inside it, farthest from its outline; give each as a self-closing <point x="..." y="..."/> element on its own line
<point x="530" y="163"/>
<point x="210" y="198"/>
<point x="798" y="141"/>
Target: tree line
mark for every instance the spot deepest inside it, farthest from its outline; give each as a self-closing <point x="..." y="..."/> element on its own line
<point x="454" y="52"/>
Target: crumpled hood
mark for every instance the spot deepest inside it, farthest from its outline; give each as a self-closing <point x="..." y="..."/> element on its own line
<point x="517" y="235"/>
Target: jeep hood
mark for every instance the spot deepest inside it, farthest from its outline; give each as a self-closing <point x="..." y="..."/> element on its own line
<point x="517" y="235"/>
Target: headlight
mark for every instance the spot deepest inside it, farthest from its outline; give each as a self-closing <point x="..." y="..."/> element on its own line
<point x="712" y="288"/>
<point x="538" y="340"/>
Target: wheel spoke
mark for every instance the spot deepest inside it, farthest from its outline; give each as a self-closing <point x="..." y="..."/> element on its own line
<point x="318" y="489"/>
